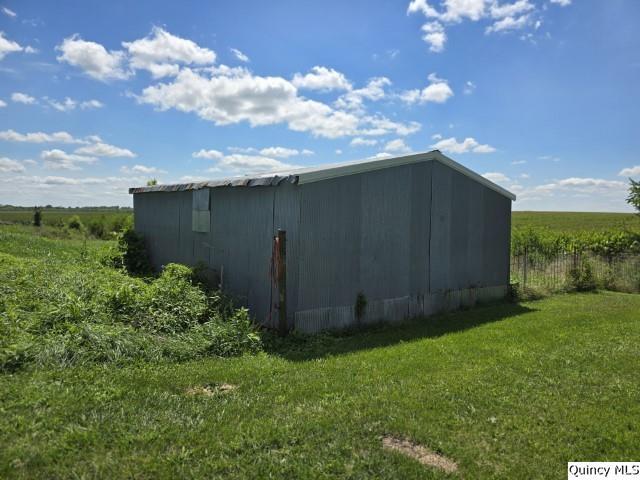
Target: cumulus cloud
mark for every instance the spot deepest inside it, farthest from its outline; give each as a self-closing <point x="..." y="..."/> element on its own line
<point x="507" y="16"/>
<point x="438" y="91"/>
<point x="60" y="160"/>
<point x="92" y="58"/>
<point x="359" y="141"/>
<point x="374" y="91"/>
<point x="8" y="165"/>
<point x="19" y="97"/>
<point x="469" y="144"/>
<point x="208" y="154"/>
<point x="630" y="171"/>
<point x="396" y="146"/>
<point x="3" y="103"/>
<point x="8" y="46"/>
<point x="244" y="97"/>
<point x="435" y="35"/>
<point x="162" y="53"/>
<point x="496" y="177"/>
<point x="142" y="169"/>
<point x="562" y="3"/>
<point x="239" y="55"/>
<point x="101" y="149"/>
<point x="323" y="79"/>
<point x="39" y="137"/>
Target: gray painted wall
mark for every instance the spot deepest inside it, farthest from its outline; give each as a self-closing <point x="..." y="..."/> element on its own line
<point x="405" y="236"/>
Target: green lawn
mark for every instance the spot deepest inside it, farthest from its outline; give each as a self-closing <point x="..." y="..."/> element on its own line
<point x="506" y="391"/>
<point x="568" y="222"/>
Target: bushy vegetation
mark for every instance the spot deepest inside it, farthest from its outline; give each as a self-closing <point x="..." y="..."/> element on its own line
<point x="549" y="243"/>
<point x="96" y="222"/>
<point x="61" y="303"/>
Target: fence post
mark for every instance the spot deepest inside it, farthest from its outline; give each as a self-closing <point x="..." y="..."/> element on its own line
<point x="282" y="282"/>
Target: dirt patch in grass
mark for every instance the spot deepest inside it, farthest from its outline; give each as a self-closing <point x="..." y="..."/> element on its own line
<point x="420" y="453"/>
<point x="210" y="390"/>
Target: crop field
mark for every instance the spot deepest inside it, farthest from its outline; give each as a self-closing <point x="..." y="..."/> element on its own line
<point x="568" y="222"/>
<point x="105" y="375"/>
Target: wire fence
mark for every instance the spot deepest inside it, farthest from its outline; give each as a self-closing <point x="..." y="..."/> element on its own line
<point x="571" y="270"/>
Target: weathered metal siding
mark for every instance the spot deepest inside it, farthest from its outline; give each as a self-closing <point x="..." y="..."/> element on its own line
<point x="364" y="233"/>
<point x="470" y="233"/>
<point x="239" y="245"/>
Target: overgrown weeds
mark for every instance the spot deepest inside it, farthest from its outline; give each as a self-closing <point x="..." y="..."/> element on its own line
<point x="60" y="305"/>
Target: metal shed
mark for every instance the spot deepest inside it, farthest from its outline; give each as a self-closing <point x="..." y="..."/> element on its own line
<point x="415" y="235"/>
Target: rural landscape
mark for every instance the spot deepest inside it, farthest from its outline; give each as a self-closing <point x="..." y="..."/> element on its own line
<point x="109" y="374"/>
<point x="320" y="240"/>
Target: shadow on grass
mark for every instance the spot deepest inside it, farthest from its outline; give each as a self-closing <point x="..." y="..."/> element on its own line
<point x="299" y="347"/>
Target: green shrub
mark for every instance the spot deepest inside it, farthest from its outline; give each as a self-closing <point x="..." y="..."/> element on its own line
<point x="60" y="305"/>
<point x="74" y="223"/>
<point x="134" y="255"/>
<point x="581" y="277"/>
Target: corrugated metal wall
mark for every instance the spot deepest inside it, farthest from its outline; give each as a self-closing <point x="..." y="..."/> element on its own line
<point x="412" y="238"/>
<point x="239" y="245"/>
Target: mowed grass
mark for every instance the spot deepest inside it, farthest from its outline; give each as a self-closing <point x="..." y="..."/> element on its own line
<point x="506" y="391"/>
<point x="569" y="222"/>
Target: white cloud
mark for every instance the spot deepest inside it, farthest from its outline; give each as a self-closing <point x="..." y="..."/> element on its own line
<point x="510" y="9"/>
<point x="89" y="104"/>
<point x="496" y="177"/>
<point x="252" y="163"/>
<point x="279" y="152"/>
<point x="208" y="154"/>
<point x="323" y="79"/>
<point x="380" y="156"/>
<point x="562" y="3"/>
<point x="435" y="36"/>
<point x="9" y="13"/>
<point x="105" y="150"/>
<point x="8" y="46"/>
<point x="306" y="151"/>
<point x="338" y="151"/>
<point x="242" y="96"/>
<point x="39" y="137"/>
<point x="630" y="171"/>
<point x="19" y="97"/>
<point x="436" y="136"/>
<point x="518" y="162"/>
<point x="95" y="60"/>
<point x="507" y="16"/>
<point x="60" y="160"/>
<point x="438" y="91"/>
<point x="509" y="23"/>
<point x="469" y="144"/>
<point x="8" y="165"/>
<point x="3" y="103"/>
<point x="396" y="146"/>
<point x="359" y="141"/>
<point x="239" y="55"/>
<point x="162" y="53"/>
<point x="469" y="87"/>
<point x="374" y="91"/>
<point x="379" y="125"/>
<point x="142" y="169"/>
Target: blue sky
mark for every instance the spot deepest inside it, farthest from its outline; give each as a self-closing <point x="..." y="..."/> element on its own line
<point x="540" y="96"/>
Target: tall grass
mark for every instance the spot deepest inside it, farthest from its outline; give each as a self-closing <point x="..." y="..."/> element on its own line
<point x="62" y="303"/>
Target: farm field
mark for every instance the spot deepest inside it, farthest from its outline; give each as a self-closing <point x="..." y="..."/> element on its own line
<point x="568" y="222"/>
<point x="505" y="391"/>
<point x="561" y="222"/>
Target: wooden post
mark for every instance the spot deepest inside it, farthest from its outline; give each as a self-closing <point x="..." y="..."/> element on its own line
<point x="282" y="282"/>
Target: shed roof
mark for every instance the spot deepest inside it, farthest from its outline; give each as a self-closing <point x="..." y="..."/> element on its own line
<point x="301" y="176"/>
